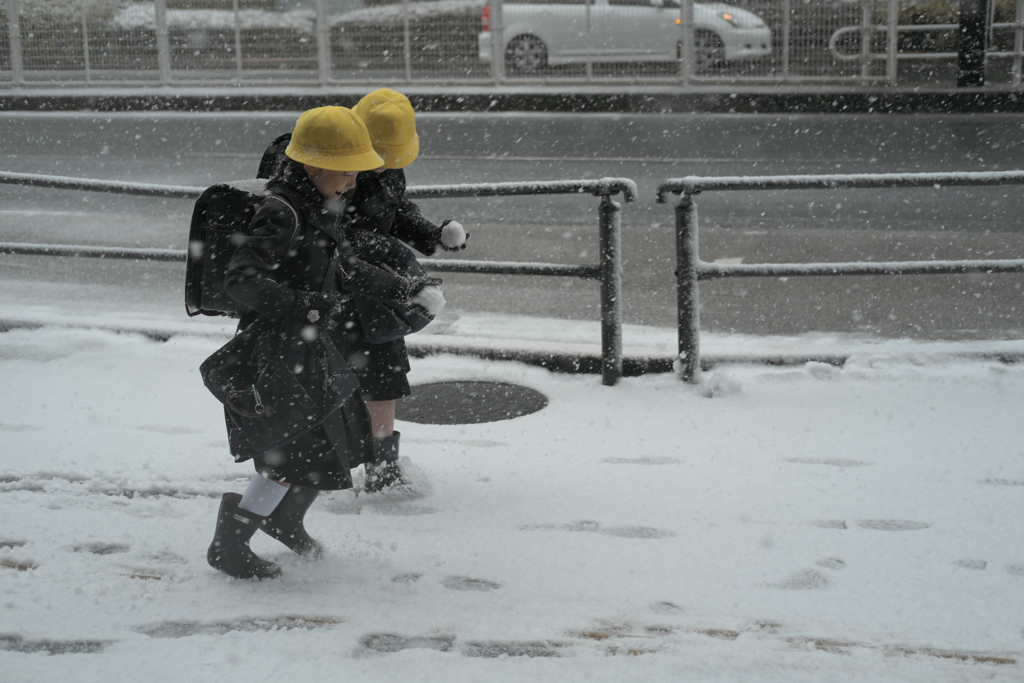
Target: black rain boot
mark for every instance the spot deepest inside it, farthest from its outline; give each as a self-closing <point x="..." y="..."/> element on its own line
<point x="285" y="522"/>
<point x="230" y="552"/>
<point x="384" y="473"/>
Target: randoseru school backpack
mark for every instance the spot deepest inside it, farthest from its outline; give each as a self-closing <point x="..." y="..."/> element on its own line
<point x="220" y="221"/>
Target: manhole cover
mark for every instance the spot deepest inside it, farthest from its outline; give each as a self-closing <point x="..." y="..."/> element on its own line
<point x="457" y="403"/>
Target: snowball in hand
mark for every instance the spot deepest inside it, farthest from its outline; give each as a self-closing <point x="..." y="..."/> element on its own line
<point x="453" y="235"/>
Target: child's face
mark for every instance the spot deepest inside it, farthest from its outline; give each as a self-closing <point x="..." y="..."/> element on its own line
<point x="331" y="184"/>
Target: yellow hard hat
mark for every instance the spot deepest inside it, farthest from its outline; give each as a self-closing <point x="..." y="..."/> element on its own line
<point x="392" y="124"/>
<point x="333" y="138"/>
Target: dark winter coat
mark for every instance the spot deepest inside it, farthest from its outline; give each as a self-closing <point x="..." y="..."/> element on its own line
<point x="381" y="207"/>
<point x="279" y="274"/>
<point x="380" y="212"/>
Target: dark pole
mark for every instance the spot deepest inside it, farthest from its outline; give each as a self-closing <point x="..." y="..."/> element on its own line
<point x="611" y="291"/>
<point x="974" y="19"/>
<point x="687" y="297"/>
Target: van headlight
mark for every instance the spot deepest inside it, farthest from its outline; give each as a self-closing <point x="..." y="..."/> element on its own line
<point x="742" y="19"/>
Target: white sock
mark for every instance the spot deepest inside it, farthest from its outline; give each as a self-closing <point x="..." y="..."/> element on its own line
<point x="262" y="495"/>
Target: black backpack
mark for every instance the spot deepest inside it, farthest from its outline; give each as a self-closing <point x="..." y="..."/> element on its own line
<point x="220" y="222"/>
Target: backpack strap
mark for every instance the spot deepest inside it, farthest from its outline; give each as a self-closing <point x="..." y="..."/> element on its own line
<point x="295" y="214"/>
<point x="328" y="286"/>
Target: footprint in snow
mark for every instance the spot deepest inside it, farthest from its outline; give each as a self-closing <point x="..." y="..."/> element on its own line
<point x="387" y="643"/>
<point x="830" y="523"/>
<point x="465" y="583"/>
<point x="667" y="607"/>
<point x="15" y="643"/>
<point x="892" y="525"/>
<point x="653" y="460"/>
<point x="807" y="579"/>
<point x="831" y="462"/>
<point x="492" y="649"/>
<point x="185" y="629"/>
<point x="101" y="548"/>
<point x="831" y="563"/>
<point x="407" y="578"/>
<point x="642" y="532"/>
<point x="976" y="565"/>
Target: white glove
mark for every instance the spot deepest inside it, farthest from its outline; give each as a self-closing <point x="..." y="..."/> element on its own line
<point x="430" y="298"/>
<point x="453" y="236"/>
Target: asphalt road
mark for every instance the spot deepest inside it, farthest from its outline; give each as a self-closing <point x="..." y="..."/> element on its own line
<point x="793" y="226"/>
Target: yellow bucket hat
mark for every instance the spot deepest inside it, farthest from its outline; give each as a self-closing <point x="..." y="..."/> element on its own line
<point x="333" y="138"/>
<point x="392" y="124"/>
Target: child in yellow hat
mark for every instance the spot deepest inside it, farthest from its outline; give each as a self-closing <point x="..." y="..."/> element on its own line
<point x="285" y="275"/>
<point x="381" y="210"/>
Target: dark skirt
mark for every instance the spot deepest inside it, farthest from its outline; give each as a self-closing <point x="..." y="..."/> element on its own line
<point x="382" y="369"/>
<point x="323" y="457"/>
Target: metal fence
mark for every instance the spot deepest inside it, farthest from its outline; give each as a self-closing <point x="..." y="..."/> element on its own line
<point x="291" y="42"/>
<point x="690" y="269"/>
<point x="608" y="271"/>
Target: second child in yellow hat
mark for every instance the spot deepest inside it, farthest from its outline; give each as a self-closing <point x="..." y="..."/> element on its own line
<point x="381" y="210"/>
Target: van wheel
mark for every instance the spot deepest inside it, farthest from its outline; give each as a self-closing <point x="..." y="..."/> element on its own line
<point x="525" y="54"/>
<point x="708" y="52"/>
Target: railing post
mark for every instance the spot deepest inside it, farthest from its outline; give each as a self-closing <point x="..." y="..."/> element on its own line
<point x="892" y="42"/>
<point x="163" y="42"/>
<point x="238" y="40"/>
<point x="407" y="40"/>
<point x="787" y="20"/>
<point x="865" y="40"/>
<point x="14" y="36"/>
<point x="323" y="43"/>
<point x="498" y="42"/>
<point x="687" y="294"/>
<point x="973" y="34"/>
<point x="686" y="54"/>
<point x="1018" y="42"/>
<point x="85" y="43"/>
<point x="611" y="290"/>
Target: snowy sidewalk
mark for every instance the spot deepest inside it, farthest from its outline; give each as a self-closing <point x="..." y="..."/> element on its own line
<point x="811" y="523"/>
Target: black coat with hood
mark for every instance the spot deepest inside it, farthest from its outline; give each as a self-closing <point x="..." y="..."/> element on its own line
<point x="278" y="273"/>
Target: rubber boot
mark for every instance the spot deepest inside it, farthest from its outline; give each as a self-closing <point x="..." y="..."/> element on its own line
<point x="384" y="473"/>
<point x="230" y="552"/>
<point x="285" y="522"/>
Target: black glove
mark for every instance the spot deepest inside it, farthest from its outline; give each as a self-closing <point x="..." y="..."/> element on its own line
<point x="453" y="236"/>
<point x="407" y="287"/>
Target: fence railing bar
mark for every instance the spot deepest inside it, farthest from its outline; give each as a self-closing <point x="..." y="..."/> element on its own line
<point x="711" y="271"/>
<point x="602" y="187"/>
<point x="80" y="251"/>
<point x="92" y="185"/>
<point x="583" y="272"/>
<point x="697" y="184"/>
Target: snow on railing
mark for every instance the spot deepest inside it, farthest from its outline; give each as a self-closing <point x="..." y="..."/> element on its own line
<point x="690" y="269"/>
<point x="608" y="271"/>
<point x="696" y="184"/>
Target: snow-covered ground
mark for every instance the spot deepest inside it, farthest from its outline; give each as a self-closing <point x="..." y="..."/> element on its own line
<point x="809" y="523"/>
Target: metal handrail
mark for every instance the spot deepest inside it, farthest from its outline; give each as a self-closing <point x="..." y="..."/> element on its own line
<point x="690" y="269"/>
<point x="608" y="271"/>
